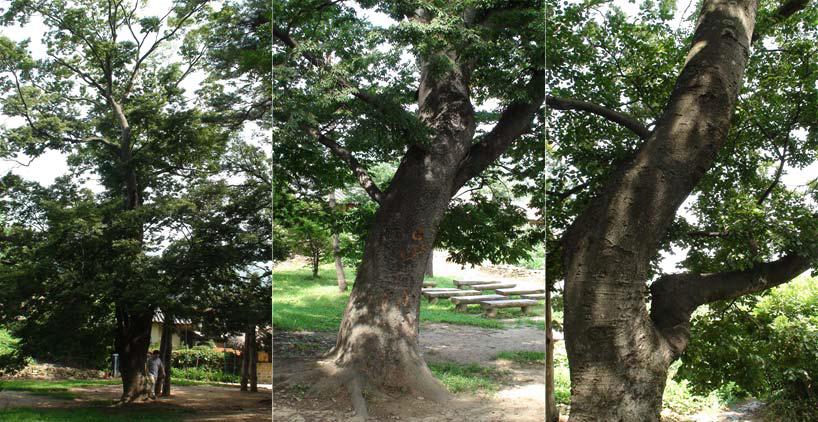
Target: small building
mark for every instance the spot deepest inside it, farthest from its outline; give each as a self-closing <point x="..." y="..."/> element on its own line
<point x="183" y="331"/>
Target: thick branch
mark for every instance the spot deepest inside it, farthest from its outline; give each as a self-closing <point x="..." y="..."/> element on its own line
<point x="622" y="119"/>
<point x="787" y="9"/>
<point x="514" y="122"/>
<point x="361" y="174"/>
<point x="676" y="296"/>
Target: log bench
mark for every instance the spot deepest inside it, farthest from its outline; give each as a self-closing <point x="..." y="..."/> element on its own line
<point x="461" y="301"/>
<point x="491" y="306"/>
<point x="461" y="284"/>
<point x="493" y="286"/>
<point x="519" y="291"/>
<point x="434" y="295"/>
<point x="537" y="296"/>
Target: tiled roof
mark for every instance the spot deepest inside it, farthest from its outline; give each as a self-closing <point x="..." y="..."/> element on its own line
<point x="159" y="317"/>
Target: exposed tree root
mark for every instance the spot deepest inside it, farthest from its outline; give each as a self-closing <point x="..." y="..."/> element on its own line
<point x="328" y="378"/>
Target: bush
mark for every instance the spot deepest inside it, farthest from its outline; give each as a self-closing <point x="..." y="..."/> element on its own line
<point x="767" y="345"/>
<point x="11" y="360"/>
<point x="204" y="374"/>
<point x="203" y="357"/>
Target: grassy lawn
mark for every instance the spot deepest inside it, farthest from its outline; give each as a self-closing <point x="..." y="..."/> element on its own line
<point x="523" y="357"/>
<point x="52" y="388"/>
<point x="123" y="414"/>
<point x="301" y="302"/>
<point x="59" y="388"/>
<point x="471" y="377"/>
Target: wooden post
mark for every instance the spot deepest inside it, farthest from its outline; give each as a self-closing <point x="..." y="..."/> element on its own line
<point x="551" y="412"/>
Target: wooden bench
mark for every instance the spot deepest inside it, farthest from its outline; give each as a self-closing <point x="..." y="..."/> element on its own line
<point x="491" y="306"/>
<point x="433" y="296"/>
<point x="519" y="291"/>
<point x="461" y="301"/>
<point x="461" y="284"/>
<point x="493" y="286"/>
<point x="538" y="296"/>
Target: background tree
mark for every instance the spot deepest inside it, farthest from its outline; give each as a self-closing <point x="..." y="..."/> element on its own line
<point x="336" y="89"/>
<point x="105" y="95"/>
<point x="632" y="141"/>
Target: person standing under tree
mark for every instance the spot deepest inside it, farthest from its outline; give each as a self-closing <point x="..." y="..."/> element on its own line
<point x="155" y="367"/>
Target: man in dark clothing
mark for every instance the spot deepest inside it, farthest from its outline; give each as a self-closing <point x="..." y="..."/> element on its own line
<point x="155" y="367"/>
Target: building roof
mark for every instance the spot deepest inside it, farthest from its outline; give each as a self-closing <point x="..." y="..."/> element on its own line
<point x="159" y="317"/>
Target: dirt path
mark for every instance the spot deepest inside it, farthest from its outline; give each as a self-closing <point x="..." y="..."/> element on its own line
<point x="209" y="403"/>
<point x="520" y="399"/>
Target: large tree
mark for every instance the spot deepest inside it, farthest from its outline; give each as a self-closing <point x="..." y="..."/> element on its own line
<point x="108" y="91"/>
<point x="644" y="118"/>
<point x="406" y="92"/>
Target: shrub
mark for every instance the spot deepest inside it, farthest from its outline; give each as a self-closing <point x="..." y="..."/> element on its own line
<point x="203" y="357"/>
<point x="204" y="374"/>
<point x="767" y="345"/>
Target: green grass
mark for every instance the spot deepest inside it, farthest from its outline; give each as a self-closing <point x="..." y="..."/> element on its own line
<point x="124" y="414"/>
<point x="471" y="377"/>
<point x="52" y="388"/>
<point x="523" y="357"/>
<point x="301" y="302"/>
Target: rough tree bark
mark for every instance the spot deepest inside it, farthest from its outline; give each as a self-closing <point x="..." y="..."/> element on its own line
<point x="131" y="342"/>
<point x="336" y="251"/>
<point x="618" y="353"/>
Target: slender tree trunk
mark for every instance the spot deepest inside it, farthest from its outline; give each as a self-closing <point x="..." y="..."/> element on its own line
<point x="316" y="260"/>
<point x="245" y="363"/>
<point x="132" y="342"/>
<point x="430" y="264"/>
<point x="618" y="355"/>
<point x="336" y="251"/>
<point x="165" y="352"/>
<point x="252" y="355"/>
<point x="551" y="413"/>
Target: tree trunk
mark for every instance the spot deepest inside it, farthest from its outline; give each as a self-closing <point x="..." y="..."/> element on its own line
<point x="617" y="354"/>
<point x="551" y="413"/>
<point x="377" y="344"/>
<point x="132" y="342"/>
<point x="336" y="251"/>
<point x="316" y="260"/>
<point x="245" y="363"/>
<point x="165" y="352"/>
<point x="252" y="355"/>
<point x="430" y="264"/>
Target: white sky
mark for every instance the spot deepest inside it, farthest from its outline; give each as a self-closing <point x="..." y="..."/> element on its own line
<point x="52" y="164"/>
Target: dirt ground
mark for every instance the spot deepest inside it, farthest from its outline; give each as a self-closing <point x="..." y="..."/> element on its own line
<point x="521" y="397"/>
<point x="210" y="403"/>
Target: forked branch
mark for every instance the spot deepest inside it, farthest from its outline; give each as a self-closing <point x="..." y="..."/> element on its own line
<point x="514" y="122"/>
